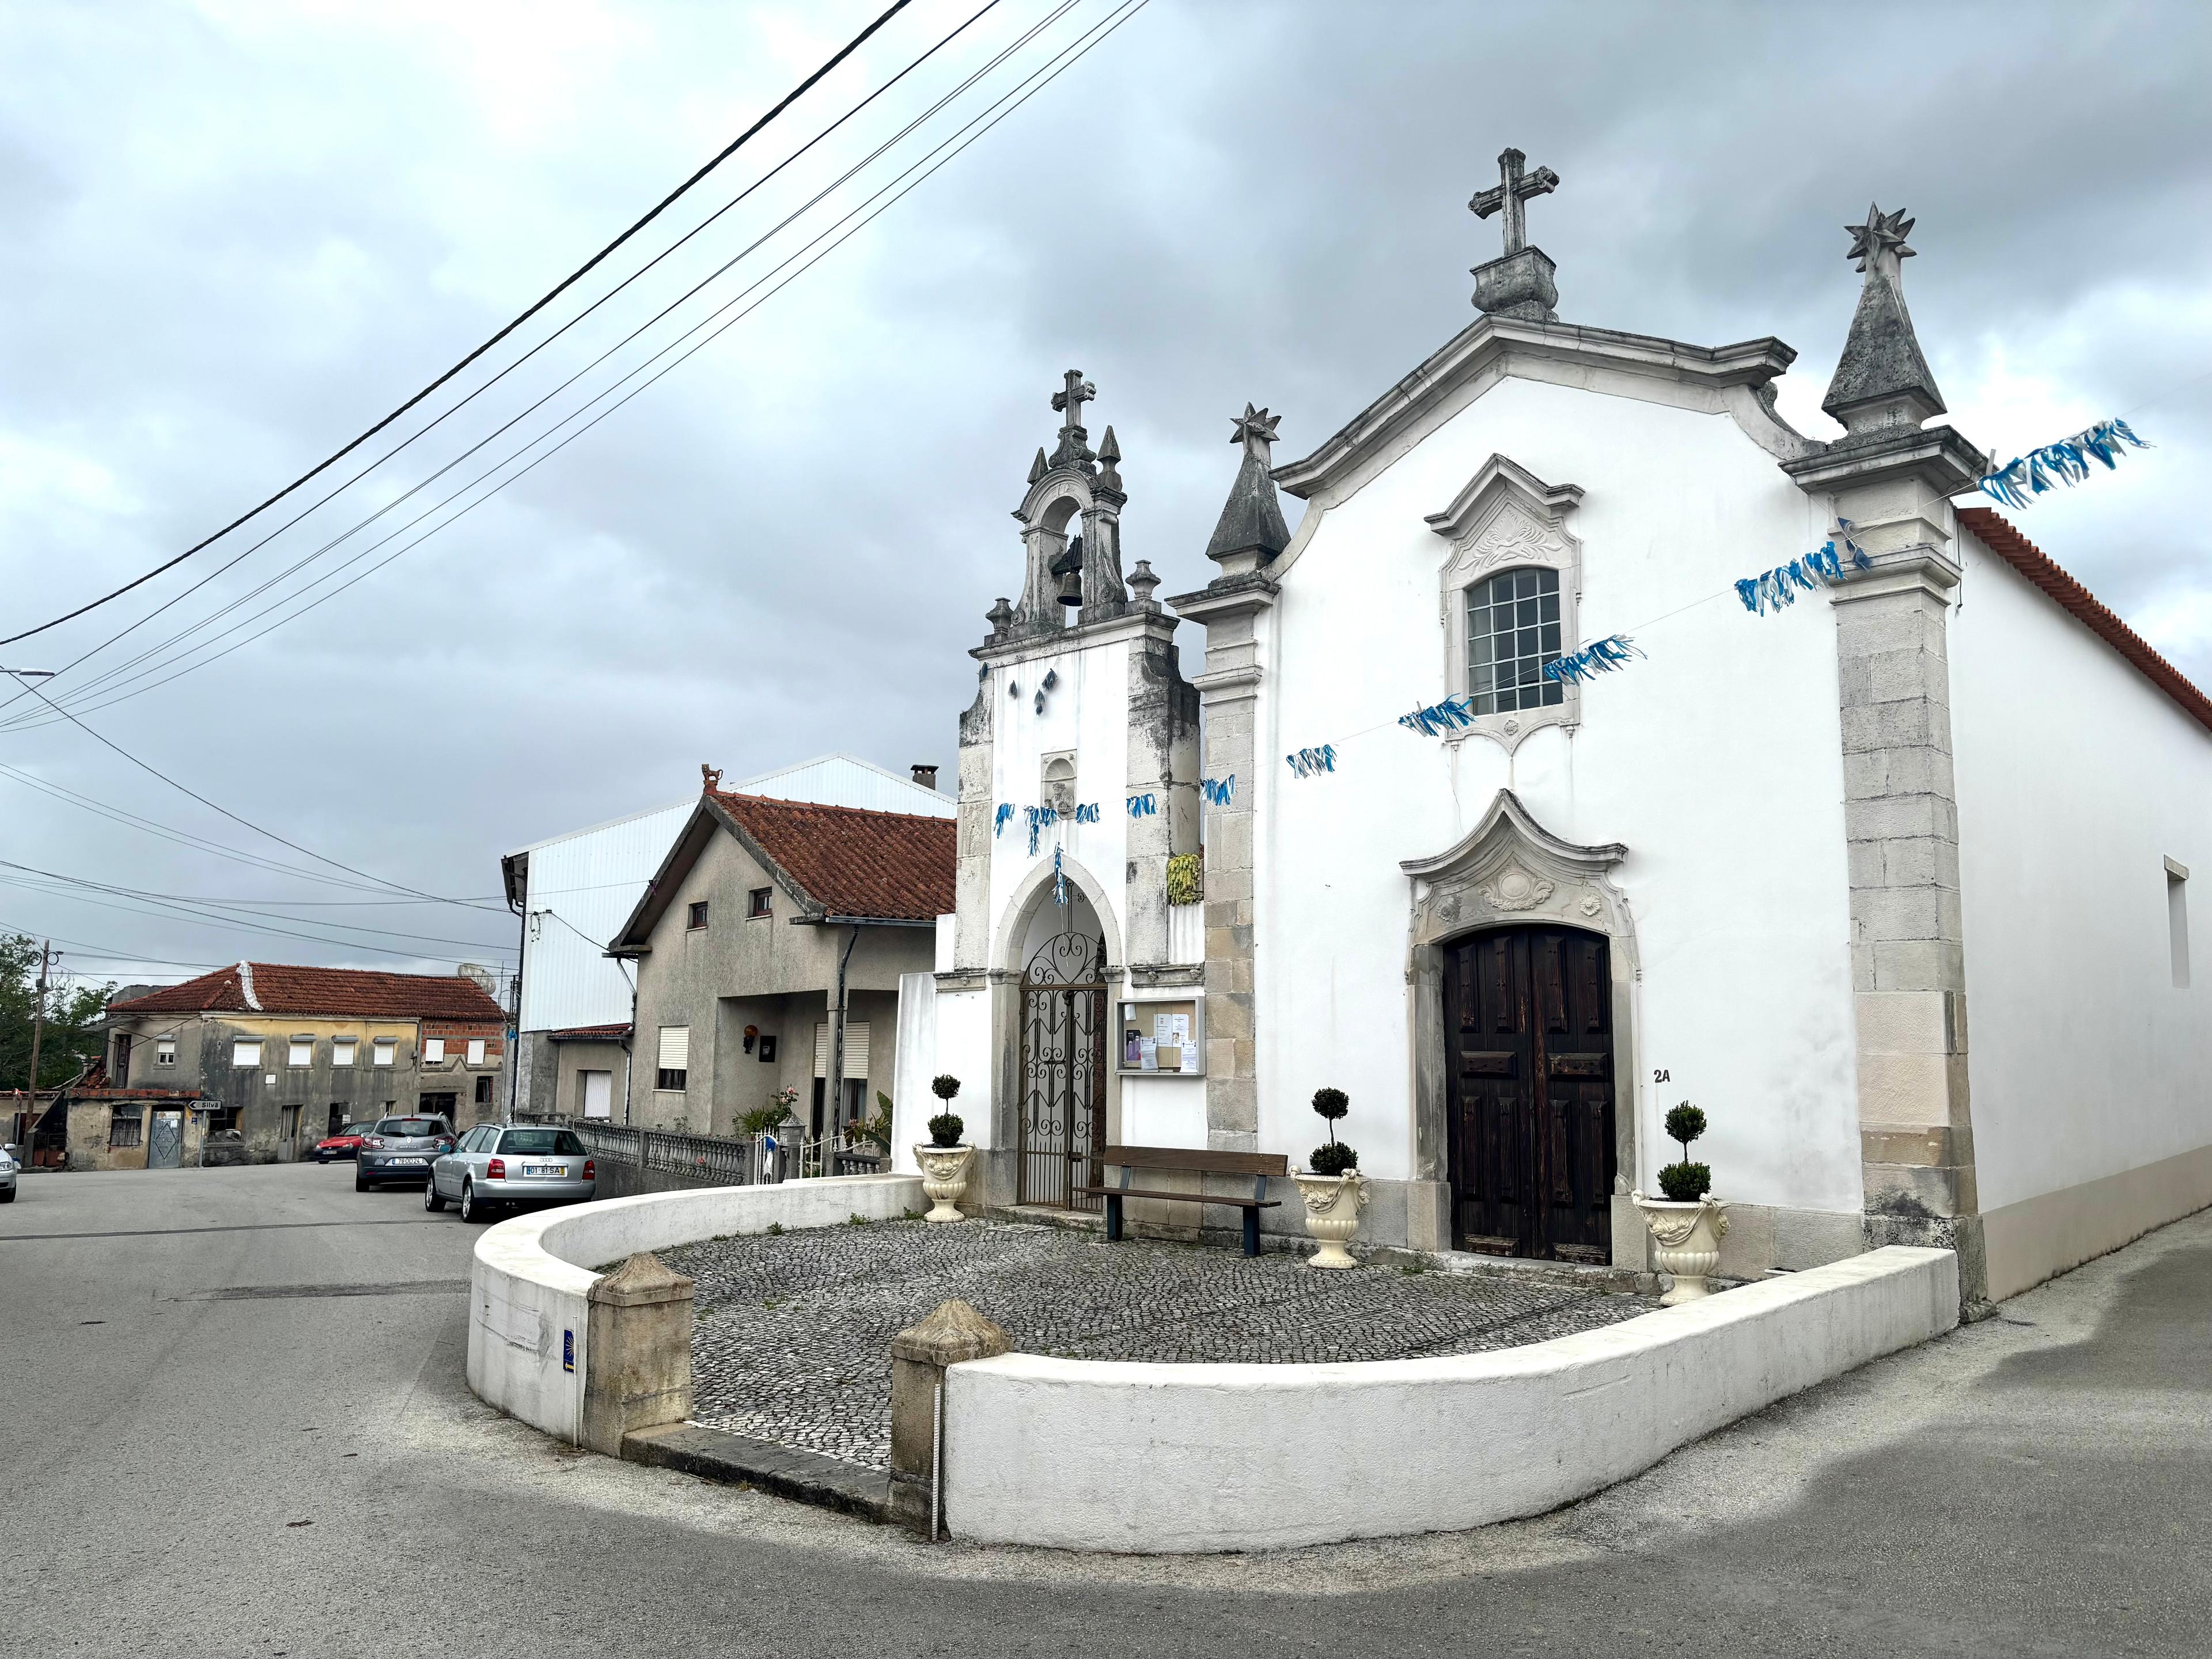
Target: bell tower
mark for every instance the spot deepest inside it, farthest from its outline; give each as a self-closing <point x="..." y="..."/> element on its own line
<point x="1079" y="771"/>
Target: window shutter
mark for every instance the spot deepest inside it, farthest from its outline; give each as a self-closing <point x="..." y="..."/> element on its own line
<point x="303" y="1052"/>
<point x="856" y="1048"/>
<point x="434" y="1049"/>
<point x="383" y="1050"/>
<point x="244" y="1051"/>
<point x="476" y="1051"/>
<point x="676" y="1047"/>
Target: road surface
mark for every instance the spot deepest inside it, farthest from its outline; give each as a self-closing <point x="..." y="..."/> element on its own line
<point x="237" y="1425"/>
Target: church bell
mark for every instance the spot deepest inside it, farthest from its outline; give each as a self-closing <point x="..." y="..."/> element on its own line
<point x="1069" y="567"/>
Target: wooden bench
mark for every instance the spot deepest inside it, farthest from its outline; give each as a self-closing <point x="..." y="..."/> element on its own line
<point x="1192" y="1161"/>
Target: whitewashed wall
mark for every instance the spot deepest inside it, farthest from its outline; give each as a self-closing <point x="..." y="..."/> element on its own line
<point x="2077" y="778"/>
<point x="1717" y="761"/>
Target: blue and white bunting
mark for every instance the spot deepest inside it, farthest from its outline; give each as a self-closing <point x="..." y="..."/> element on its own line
<point x="2066" y="462"/>
<point x="1777" y="589"/>
<point x="1037" y="818"/>
<point x="1452" y="714"/>
<point x="1143" y="806"/>
<point x="1058" y="880"/>
<point x="1598" y="657"/>
<point x="1087" y="812"/>
<point x="1218" y="791"/>
<point x="1005" y="817"/>
<point x="1308" y="762"/>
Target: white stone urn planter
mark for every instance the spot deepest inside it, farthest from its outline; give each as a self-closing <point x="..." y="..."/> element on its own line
<point x="944" y="1177"/>
<point x="1686" y="1242"/>
<point x="1332" y="1207"/>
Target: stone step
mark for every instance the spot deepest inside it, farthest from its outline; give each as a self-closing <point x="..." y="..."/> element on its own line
<point x="804" y="1477"/>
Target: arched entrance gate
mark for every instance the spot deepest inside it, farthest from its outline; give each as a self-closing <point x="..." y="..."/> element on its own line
<point x="1063" y="1079"/>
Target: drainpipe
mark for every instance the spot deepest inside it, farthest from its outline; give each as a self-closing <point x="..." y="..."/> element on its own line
<point x="514" y="1025"/>
<point x="834" y="1090"/>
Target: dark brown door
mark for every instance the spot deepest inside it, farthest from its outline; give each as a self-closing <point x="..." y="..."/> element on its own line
<point x="1528" y="1052"/>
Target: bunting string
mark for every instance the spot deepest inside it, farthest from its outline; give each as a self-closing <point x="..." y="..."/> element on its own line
<point x="1004" y="816"/>
<point x="1598" y="657"/>
<point x="1143" y="806"/>
<point x="1058" y="880"/>
<point x="2065" y="462"/>
<point x="1087" y="812"/>
<point x="1218" y="791"/>
<point x="1777" y="589"/>
<point x="1306" y="763"/>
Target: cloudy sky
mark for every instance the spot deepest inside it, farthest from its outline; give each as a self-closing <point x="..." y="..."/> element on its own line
<point x="237" y="233"/>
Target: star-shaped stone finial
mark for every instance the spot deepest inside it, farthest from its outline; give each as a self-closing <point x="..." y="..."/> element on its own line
<point x="1883" y="233"/>
<point x="1254" y="423"/>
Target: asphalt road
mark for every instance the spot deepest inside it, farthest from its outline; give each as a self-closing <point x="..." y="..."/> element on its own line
<point x="236" y="1425"/>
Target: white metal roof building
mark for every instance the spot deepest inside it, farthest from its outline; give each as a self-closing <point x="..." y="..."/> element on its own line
<point x="577" y="889"/>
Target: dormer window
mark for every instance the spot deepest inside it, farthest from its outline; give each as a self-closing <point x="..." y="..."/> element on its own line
<point x="1512" y="631"/>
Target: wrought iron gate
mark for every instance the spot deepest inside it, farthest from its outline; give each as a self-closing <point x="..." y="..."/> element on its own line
<point x="1063" y="1118"/>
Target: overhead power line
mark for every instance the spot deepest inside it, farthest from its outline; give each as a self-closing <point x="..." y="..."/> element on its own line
<point x="840" y="232"/>
<point x="154" y="772"/>
<point x="551" y="294"/>
<point x="936" y="46"/>
<point x="120" y="673"/>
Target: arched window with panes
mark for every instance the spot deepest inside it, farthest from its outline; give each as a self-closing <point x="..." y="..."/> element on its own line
<point x="1507" y="590"/>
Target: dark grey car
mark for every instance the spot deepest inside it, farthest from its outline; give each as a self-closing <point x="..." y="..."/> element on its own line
<point x="400" y="1150"/>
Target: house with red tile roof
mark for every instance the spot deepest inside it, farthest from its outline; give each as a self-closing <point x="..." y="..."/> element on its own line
<point x="287" y="1055"/>
<point x="768" y="949"/>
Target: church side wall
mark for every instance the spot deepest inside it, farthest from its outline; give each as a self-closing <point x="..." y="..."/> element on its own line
<point x="1716" y="762"/>
<point x="2077" y="778"/>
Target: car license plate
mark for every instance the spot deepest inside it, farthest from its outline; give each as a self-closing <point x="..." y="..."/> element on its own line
<point x="408" y="1160"/>
<point x="545" y="1169"/>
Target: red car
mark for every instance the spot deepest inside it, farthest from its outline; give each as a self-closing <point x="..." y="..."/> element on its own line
<point x="345" y="1144"/>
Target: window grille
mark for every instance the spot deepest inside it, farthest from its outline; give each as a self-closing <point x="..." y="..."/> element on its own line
<point x="1512" y="631"/>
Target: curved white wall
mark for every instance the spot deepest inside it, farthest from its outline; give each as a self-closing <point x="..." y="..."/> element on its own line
<point x="1183" y="1458"/>
<point x="528" y="1288"/>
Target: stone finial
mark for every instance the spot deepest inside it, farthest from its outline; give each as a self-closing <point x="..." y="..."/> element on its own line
<point x="953" y="1333"/>
<point x="1518" y="283"/>
<point x="1109" y="452"/>
<point x="1142" y="581"/>
<point x="1038" y="467"/>
<point x="710" y="776"/>
<point x="1882" y="382"/>
<point x="1251" y="530"/>
<point x="999" y="615"/>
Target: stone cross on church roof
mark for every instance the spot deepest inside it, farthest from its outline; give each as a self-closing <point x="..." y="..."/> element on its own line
<point x="1069" y="404"/>
<point x="1519" y="283"/>
<point x="1512" y="193"/>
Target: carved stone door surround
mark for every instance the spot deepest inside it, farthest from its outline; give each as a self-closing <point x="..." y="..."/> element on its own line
<point x="1511" y="870"/>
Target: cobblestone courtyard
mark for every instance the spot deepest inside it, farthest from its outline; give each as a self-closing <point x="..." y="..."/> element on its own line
<point x="793" y="1330"/>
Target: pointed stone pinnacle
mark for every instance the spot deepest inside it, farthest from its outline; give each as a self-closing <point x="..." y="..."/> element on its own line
<point x="1108" y="450"/>
<point x="1037" y="467"/>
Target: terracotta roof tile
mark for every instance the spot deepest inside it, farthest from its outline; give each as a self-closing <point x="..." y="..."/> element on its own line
<point x="851" y="862"/>
<point x="2023" y="556"/>
<point x="614" y="1033"/>
<point x="345" y="993"/>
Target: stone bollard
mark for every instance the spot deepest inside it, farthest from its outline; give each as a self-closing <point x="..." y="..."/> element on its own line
<point x="637" y="1352"/>
<point x="919" y="1356"/>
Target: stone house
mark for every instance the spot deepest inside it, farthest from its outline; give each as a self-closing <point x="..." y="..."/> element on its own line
<point x="287" y="1054"/>
<point x="90" y="1126"/>
<point x="1519" y="896"/>
<point x="768" y="949"/>
<point x="574" y="890"/>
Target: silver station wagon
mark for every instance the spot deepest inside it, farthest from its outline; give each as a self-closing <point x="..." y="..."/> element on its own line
<point x="499" y="1166"/>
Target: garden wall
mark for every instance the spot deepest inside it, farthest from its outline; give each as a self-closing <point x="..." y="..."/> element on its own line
<point x="1181" y="1458"/>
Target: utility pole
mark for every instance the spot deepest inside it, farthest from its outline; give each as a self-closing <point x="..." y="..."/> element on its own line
<point x="38" y="1012"/>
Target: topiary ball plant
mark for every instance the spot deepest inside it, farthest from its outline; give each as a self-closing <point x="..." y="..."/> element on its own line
<point x="944" y="1085"/>
<point x="1336" y="1157"/>
<point x="944" y="1129"/>
<point x="1685" y="1182"/>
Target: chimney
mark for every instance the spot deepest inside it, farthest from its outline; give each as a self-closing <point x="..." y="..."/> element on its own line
<point x="926" y="776"/>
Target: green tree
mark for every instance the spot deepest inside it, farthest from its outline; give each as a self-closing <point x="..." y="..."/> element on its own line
<point x="73" y="1009"/>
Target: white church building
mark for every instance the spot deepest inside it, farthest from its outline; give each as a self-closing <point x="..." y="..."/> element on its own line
<point x="1768" y="865"/>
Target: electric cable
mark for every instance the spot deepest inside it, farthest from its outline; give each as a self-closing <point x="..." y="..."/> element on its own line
<point x="121" y="672"/>
<point x="901" y="185"/>
<point x="323" y="501"/>
<point x="559" y="289"/>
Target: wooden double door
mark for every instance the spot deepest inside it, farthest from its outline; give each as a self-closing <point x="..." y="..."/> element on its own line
<point x="1528" y="1053"/>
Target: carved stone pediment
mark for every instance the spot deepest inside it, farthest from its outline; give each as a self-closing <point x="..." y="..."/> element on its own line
<point x="1508" y="870"/>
